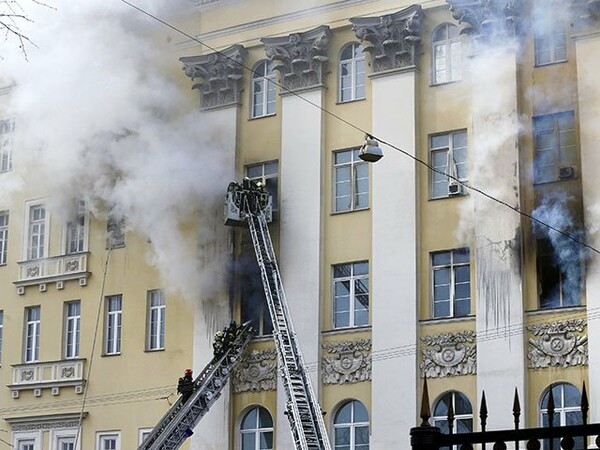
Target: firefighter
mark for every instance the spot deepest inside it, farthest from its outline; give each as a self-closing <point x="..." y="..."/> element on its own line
<point x="185" y="386"/>
<point x="219" y="344"/>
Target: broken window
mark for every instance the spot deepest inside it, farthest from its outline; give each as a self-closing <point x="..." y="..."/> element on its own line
<point x="448" y="157"/>
<point x="555" y="147"/>
<point x="253" y="299"/>
<point x="451" y="278"/>
<point x="115" y="231"/>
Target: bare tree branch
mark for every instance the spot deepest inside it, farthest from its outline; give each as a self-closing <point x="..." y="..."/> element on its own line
<point x="12" y="16"/>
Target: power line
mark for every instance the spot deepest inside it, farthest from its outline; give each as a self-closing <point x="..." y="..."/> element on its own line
<point x="357" y="128"/>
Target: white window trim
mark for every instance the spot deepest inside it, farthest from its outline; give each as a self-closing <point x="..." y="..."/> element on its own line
<point x="19" y="436"/>
<point x="25" y="247"/>
<point x="353" y="75"/>
<point x="4" y="241"/>
<point x="452" y="267"/>
<point x="8" y="150"/>
<point x="264" y="176"/>
<point x="102" y="434"/>
<point x="106" y="324"/>
<point x="38" y="334"/>
<point x="449" y="152"/>
<point x="86" y="232"/>
<point x="268" y="82"/>
<point x="448" y="44"/>
<point x="352" y="164"/>
<point x="162" y="315"/>
<point x="256" y="431"/>
<point x="352" y="278"/>
<point x="77" y="319"/>
<point x="141" y="433"/>
<point x="55" y="435"/>
<point x="352" y="425"/>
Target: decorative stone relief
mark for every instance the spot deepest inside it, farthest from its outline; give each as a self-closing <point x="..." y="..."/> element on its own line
<point x="449" y="354"/>
<point x="67" y="372"/>
<point x="256" y="371"/>
<point x="300" y="58"/>
<point x="392" y="40"/>
<point x="349" y="362"/>
<point x="27" y="375"/>
<point x="487" y="20"/>
<point x="71" y="265"/>
<point x="220" y="76"/>
<point x="33" y="271"/>
<point x="558" y="344"/>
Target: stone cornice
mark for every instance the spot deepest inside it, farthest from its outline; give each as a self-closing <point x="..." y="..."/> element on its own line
<point x="220" y="74"/>
<point x="300" y="58"/>
<point x="487" y="20"/>
<point x="392" y="40"/>
<point x="46" y="421"/>
<point x="586" y="16"/>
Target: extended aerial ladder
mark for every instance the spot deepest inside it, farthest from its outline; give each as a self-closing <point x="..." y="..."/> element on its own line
<point x="250" y="204"/>
<point x="179" y="421"/>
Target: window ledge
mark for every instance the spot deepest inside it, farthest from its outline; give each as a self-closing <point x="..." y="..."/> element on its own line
<point x="558" y="309"/>
<point x="151" y="350"/>
<point x="57" y="269"/>
<point x="47" y="375"/>
<point x="346" y="330"/>
<point x="444" y="83"/>
<point x="553" y="63"/>
<point x="337" y="213"/>
<point x="447" y="320"/>
<point x="354" y="100"/>
<point x="262" y="117"/>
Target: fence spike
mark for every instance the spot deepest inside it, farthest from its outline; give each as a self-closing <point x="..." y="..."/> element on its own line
<point x="483" y="412"/>
<point x="516" y="409"/>
<point x="451" y="413"/>
<point x="425" y="410"/>
<point x="585" y="406"/>
<point x="551" y="407"/>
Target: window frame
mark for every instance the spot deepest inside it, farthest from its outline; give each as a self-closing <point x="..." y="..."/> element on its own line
<point x="450" y="150"/>
<point x="112" y="329"/>
<point x="56" y="436"/>
<point x="352" y="279"/>
<point x="7" y="128"/>
<point x="27" y="437"/>
<point x="557" y="29"/>
<point x="268" y="86"/>
<point x="355" y="76"/>
<point x="457" y="416"/>
<point x="155" y="341"/>
<point x="103" y="436"/>
<point x="451" y="266"/>
<point x="72" y="337"/>
<point x="79" y="226"/>
<point x="142" y="434"/>
<point x="4" y="221"/>
<point x="115" y="231"/>
<point x="264" y="177"/>
<point x="258" y="430"/>
<point x="353" y="163"/>
<point x="352" y="425"/>
<point x="43" y="244"/>
<point x="559" y="411"/>
<point x="450" y="59"/>
<point x="32" y="334"/>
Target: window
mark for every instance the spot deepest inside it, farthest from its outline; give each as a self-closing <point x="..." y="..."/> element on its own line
<point x="6" y="132"/>
<point x="156" y="321"/>
<point x="555" y="147"/>
<point x="27" y="444"/>
<point x="257" y="430"/>
<point x="463" y="414"/>
<point x="351" y="175"/>
<point x="268" y="173"/>
<point x="76" y="231"/>
<point x="112" y="330"/>
<point x="351" y="295"/>
<point x="3" y="237"/>
<point x="1" y="333"/>
<point x="37" y="233"/>
<point x="115" y="231"/>
<point x="567" y="410"/>
<point x="65" y="443"/>
<point x="32" y="334"/>
<point x="143" y="434"/>
<point x="254" y="307"/>
<point x="72" y="325"/>
<point x="447" y="54"/>
<point x="451" y="276"/>
<point x="27" y="440"/>
<point x="549" y="42"/>
<point x="351" y="427"/>
<point x="263" y="90"/>
<point x="108" y="441"/>
<point x="448" y="157"/>
<point x="352" y="73"/>
<point x="559" y="272"/>
<point x="63" y="439"/>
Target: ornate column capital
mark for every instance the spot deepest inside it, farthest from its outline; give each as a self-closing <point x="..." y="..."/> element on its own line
<point x="586" y="15"/>
<point x="300" y="58"/>
<point x="487" y="20"/>
<point x="392" y="40"/>
<point x="220" y="76"/>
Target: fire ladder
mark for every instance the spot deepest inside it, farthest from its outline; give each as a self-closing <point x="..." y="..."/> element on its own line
<point x="179" y="421"/>
<point x="303" y="411"/>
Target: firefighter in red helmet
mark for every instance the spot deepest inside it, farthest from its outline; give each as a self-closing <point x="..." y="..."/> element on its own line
<point x="185" y="386"/>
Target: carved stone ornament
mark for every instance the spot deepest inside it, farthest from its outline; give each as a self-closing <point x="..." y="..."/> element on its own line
<point x="256" y="371"/>
<point x="449" y="354"/>
<point x="46" y="425"/>
<point x="300" y="58"/>
<point x="67" y="372"/>
<point x="558" y="344"/>
<point x="586" y="15"/>
<point x="393" y="40"/>
<point x="71" y="265"/>
<point x="27" y="375"/>
<point x="33" y="271"/>
<point x="220" y="76"/>
<point x="349" y="362"/>
<point x="487" y="20"/>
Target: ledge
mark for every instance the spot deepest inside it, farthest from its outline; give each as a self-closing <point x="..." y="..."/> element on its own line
<point x="47" y="375"/>
<point x="57" y="269"/>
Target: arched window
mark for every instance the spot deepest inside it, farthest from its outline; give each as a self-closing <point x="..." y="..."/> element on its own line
<point x="352" y="73"/>
<point x="463" y="413"/>
<point x="567" y="410"/>
<point x="351" y="427"/>
<point x="447" y="54"/>
<point x="257" y="430"/>
<point x="263" y="90"/>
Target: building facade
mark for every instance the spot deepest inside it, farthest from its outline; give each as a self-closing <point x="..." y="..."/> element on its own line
<point x="467" y="255"/>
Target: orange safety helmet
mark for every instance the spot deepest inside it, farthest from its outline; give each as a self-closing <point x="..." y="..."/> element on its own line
<point x="188" y="371"/>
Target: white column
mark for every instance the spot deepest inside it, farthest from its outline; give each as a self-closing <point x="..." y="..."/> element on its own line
<point x="212" y="314"/>
<point x="494" y="153"/>
<point x="300" y="255"/>
<point x="588" y="90"/>
<point x="394" y="262"/>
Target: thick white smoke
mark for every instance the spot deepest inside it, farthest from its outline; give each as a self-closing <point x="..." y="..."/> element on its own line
<point x="99" y="117"/>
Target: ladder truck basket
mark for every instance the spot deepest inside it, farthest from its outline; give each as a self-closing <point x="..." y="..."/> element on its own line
<point x="237" y="194"/>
